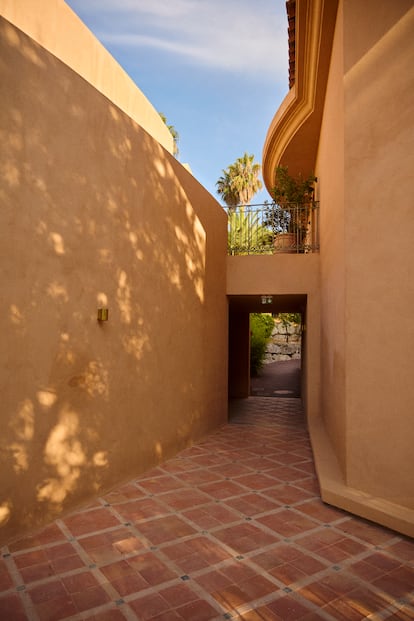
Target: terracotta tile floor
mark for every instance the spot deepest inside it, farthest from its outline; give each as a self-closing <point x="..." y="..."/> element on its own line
<point x="232" y="528"/>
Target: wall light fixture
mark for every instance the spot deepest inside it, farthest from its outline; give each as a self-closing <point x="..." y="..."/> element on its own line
<point x="267" y="299"/>
<point x="103" y="314"/>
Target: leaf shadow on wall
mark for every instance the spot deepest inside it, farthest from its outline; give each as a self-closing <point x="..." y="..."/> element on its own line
<point x="97" y="214"/>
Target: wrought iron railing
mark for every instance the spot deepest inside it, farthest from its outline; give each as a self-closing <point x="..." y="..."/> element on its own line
<point x="271" y="228"/>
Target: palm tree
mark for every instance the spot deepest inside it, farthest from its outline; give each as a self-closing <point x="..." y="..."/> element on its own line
<point x="226" y="191"/>
<point x="240" y="181"/>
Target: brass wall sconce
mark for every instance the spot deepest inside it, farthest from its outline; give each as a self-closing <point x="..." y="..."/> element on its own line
<point x="103" y="314"/>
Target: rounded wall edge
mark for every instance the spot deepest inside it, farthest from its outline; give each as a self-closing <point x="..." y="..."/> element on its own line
<point x="336" y="492"/>
<point x="292" y="138"/>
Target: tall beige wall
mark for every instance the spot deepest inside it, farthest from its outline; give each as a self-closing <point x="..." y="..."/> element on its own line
<point x="367" y="231"/>
<point x="52" y="24"/>
<point x="379" y="135"/>
<point x="330" y="191"/>
<point x="94" y="212"/>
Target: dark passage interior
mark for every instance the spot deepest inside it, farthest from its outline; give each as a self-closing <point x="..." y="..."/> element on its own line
<point x="279" y="379"/>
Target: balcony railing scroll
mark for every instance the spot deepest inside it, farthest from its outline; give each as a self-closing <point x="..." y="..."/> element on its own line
<point x="272" y="228"/>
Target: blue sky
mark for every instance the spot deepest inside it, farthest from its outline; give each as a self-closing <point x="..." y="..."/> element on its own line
<point x="217" y="69"/>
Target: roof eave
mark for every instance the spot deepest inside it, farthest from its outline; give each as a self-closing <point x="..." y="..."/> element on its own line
<point x="293" y="136"/>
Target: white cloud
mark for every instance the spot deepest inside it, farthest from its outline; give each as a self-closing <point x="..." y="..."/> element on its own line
<point x="158" y="8"/>
<point x="227" y="35"/>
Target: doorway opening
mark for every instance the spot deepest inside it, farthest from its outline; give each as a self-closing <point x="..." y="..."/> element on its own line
<point x="275" y="354"/>
<point x="282" y="374"/>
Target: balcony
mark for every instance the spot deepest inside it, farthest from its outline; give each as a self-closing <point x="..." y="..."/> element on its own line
<point x="271" y="228"/>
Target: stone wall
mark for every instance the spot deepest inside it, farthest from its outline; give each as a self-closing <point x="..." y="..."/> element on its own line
<point x="285" y="342"/>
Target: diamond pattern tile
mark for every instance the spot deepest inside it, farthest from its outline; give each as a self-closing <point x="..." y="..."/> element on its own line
<point x="231" y="528"/>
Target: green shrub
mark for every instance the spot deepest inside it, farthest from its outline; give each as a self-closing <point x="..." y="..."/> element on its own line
<point x="261" y="327"/>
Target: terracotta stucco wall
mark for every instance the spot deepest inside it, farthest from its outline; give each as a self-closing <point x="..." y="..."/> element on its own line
<point x="379" y="135"/>
<point x="52" y="24"/>
<point x="330" y="191"/>
<point x="366" y="187"/>
<point x="94" y="212"/>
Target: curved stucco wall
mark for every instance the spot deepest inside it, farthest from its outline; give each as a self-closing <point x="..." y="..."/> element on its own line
<point x="366" y="185"/>
<point x="53" y="25"/>
<point x="95" y="212"/>
<point x="292" y="138"/>
<point x="329" y="169"/>
<point x="379" y="185"/>
<point x="364" y="435"/>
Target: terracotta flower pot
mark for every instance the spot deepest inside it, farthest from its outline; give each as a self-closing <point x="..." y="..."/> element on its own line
<point x="285" y="242"/>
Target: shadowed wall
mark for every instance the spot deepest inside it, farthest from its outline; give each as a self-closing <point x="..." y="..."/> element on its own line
<point x="94" y="212"/>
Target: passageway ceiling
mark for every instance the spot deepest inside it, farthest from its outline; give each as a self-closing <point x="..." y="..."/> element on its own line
<point x="280" y="303"/>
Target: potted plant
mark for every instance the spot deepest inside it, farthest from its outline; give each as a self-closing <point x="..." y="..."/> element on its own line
<point x="293" y="198"/>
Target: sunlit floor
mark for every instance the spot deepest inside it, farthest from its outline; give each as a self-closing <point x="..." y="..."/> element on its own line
<point x="232" y="528"/>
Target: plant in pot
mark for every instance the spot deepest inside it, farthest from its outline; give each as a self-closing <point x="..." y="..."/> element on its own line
<point x="294" y="198"/>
